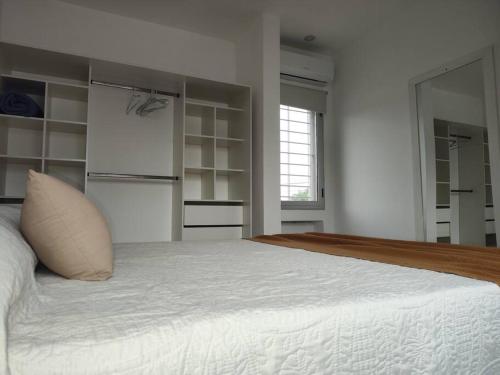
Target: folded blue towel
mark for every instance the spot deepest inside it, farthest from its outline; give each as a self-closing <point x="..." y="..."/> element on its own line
<point x="19" y="104"/>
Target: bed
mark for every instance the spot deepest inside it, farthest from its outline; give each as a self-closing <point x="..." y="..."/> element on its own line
<point x="242" y="307"/>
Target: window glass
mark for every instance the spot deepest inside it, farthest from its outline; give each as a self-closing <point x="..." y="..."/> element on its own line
<point x="298" y="154"/>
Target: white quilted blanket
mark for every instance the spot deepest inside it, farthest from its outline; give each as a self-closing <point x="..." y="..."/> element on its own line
<point x="17" y="281"/>
<point x="239" y="307"/>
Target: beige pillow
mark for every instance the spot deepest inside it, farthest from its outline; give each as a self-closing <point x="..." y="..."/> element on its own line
<point x="67" y="232"/>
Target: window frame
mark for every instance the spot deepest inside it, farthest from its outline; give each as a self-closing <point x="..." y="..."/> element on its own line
<point x="319" y="203"/>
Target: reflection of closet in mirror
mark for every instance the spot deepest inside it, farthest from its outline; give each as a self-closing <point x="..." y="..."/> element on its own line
<point x="463" y="184"/>
<point x="457" y="176"/>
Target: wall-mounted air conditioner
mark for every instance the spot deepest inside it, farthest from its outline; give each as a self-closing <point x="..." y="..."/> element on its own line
<point x="309" y="69"/>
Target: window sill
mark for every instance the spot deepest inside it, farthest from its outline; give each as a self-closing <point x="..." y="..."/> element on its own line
<point x="303" y="206"/>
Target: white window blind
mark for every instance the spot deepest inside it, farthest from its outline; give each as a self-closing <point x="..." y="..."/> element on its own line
<point x="301" y="97"/>
<point x="297" y="154"/>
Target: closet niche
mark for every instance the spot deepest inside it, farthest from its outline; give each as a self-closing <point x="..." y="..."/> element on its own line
<point x="179" y="172"/>
<point x="43" y="118"/>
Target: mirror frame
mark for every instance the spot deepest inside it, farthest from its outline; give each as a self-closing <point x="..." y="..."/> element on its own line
<point x="486" y="57"/>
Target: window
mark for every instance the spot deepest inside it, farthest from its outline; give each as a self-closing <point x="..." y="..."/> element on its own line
<point x="301" y="158"/>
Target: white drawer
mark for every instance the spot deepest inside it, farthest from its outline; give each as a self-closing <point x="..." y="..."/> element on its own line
<point x="443" y="230"/>
<point x="489" y="213"/>
<point x="213" y="215"/>
<point x="490" y="227"/>
<point x="442" y="214"/>
<point x="214" y="233"/>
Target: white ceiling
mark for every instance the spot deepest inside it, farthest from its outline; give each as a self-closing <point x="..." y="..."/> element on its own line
<point x="334" y="22"/>
<point x="467" y="80"/>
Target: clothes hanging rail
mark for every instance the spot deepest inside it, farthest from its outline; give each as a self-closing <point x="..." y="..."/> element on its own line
<point x="134" y="88"/>
<point x="126" y="176"/>
<point x="461" y="191"/>
<point x="460" y="136"/>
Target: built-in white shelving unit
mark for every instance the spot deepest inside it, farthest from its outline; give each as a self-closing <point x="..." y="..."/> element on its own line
<point x="441" y="139"/>
<point x="217" y="160"/>
<point x="192" y="160"/>
<point x="54" y="142"/>
<point x="491" y="238"/>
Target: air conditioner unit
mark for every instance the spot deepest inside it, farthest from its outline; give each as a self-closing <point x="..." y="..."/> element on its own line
<point x="295" y="66"/>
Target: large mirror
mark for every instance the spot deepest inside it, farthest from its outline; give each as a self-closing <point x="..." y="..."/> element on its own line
<point x="456" y="156"/>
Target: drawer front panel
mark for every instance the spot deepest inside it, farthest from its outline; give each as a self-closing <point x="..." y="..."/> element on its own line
<point x="443" y="230"/>
<point x="213" y="215"/>
<point x="214" y="233"/>
<point x="490" y="227"/>
<point x="489" y="213"/>
<point x="443" y="214"/>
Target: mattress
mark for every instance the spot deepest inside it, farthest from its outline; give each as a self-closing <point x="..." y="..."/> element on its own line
<point x="241" y="307"/>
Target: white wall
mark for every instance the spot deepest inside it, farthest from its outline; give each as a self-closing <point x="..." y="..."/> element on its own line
<point x="62" y="27"/>
<point x="324" y="216"/>
<point x="258" y="64"/>
<point x="374" y="180"/>
<point x="455" y="107"/>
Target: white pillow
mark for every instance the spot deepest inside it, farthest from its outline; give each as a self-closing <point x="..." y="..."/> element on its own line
<point x="17" y="280"/>
<point x="68" y="233"/>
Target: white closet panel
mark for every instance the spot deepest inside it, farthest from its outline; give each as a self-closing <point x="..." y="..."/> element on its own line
<point x="121" y="143"/>
<point x="213" y="215"/>
<point x="136" y="211"/>
<point x="128" y="143"/>
<point x="217" y="233"/>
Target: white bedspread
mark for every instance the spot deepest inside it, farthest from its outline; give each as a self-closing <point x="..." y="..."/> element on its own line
<point x="17" y="281"/>
<point x="239" y="307"/>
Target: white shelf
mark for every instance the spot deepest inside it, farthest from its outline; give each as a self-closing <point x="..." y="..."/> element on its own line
<point x="230" y="139"/>
<point x="197" y="169"/>
<point x="66" y="160"/>
<point x="228" y="171"/>
<point x="68" y="84"/>
<point x="37" y="158"/>
<point x="198" y="136"/>
<point x="228" y="155"/>
<point x="29" y="77"/>
<point x="212" y="105"/>
<point x="193" y="139"/>
<point x="20" y="157"/>
<point x="21" y="136"/>
<point x="14" y="117"/>
<point x="67" y="122"/>
<point x="65" y="141"/>
<point x="218" y="107"/>
<point x="19" y="76"/>
<point x="66" y="104"/>
<point x="227" y="142"/>
<point x="42" y="119"/>
<point x="231" y="124"/>
<point x="199" y="120"/>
